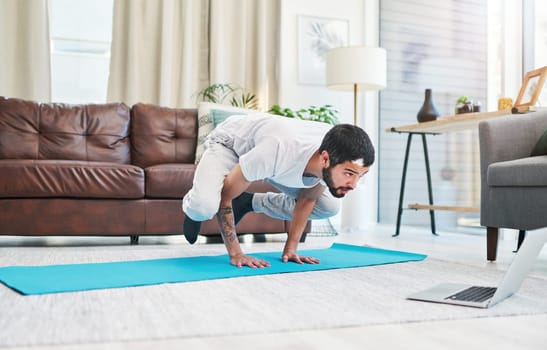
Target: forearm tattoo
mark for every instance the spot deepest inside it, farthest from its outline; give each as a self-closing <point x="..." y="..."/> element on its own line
<point x="225" y="218"/>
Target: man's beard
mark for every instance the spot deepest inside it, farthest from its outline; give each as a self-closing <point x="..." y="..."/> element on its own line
<point x="327" y="177"/>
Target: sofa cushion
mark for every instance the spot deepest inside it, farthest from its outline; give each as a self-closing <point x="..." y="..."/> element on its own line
<point x="69" y="179"/>
<point x="161" y="135"/>
<point x="169" y="180"/>
<point x="531" y="171"/>
<point x="31" y="130"/>
<point x="540" y="149"/>
<point x="218" y="116"/>
<point x="206" y="124"/>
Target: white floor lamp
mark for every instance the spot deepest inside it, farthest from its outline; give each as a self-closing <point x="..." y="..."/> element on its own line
<point x="354" y="68"/>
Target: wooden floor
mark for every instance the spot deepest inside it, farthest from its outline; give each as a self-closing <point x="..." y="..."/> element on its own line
<point x="517" y="332"/>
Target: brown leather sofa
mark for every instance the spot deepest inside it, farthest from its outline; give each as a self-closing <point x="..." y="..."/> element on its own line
<point x="101" y="169"/>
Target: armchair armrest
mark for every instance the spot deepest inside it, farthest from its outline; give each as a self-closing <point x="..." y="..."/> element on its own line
<point x="509" y="137"/>
<point x="506" y="138"/>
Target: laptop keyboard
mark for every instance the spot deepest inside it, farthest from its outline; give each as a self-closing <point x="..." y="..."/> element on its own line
<point x="476" y="294"/>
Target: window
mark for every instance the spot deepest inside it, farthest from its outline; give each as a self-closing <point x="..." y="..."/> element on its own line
<point x="480" y="49"/>
<point x="441" y="45"/>
<point x="81" y="32"/>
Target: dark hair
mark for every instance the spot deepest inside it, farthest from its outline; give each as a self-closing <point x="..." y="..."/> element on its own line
<point x="346" y="142"/>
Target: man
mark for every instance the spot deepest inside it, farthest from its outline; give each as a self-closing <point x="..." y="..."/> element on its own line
<point x="310" y="162"/>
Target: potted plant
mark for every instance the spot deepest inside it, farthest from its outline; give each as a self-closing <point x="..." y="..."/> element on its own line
<point x="463" y="105"/>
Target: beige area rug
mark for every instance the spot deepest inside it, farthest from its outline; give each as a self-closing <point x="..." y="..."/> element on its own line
<point x="252" y="305"/>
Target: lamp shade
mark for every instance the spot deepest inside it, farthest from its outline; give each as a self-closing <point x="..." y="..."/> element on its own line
<point x="361" y="66"/>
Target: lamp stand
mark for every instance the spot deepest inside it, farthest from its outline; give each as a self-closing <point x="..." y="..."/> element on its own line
<point x="354" y="202"/>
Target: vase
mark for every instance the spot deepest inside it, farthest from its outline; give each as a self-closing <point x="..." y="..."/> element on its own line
<point x="429" y="111"/>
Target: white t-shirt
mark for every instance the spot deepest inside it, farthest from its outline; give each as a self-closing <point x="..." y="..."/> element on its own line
<point x="273" y="147"/>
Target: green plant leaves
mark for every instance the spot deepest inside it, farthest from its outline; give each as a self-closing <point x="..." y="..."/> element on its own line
<point x="239" y="97"/>
<point x="235" y="95"/>
<point x="325" y="114"/>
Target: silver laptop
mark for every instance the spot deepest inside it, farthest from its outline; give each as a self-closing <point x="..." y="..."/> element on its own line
<point x="485" y="297"/>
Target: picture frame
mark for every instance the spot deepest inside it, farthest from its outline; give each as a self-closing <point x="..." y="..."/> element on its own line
<point x="530" y="90"/>
<point x="316" y="35"/>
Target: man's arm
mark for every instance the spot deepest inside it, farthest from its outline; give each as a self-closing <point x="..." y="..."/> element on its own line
<point x="234" y="184"/>
<point x="302" y="210"/>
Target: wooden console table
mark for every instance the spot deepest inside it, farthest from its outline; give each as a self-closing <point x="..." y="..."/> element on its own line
<point x="441" y="125"/>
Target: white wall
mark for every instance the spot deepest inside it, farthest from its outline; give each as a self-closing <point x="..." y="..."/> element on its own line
<point x="363" y="30"/>
<point x="293" y="94"/>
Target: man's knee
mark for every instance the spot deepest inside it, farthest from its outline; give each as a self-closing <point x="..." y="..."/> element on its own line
<point x="327" y="207"/>
<point x="200" y="212"/>
<point x="333" y="207"/>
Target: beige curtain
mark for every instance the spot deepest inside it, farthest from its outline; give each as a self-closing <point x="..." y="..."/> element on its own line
<point x="24" y="50"/>
<point x="244" y="37"/>
<point x="159" y="51"/>
<point x="165" y="51"/>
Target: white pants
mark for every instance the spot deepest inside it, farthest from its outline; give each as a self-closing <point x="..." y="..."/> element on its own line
<point x="202" y="201"/>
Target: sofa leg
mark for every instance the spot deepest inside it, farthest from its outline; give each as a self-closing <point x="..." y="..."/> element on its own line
<point x="134" y="239"/>
<point x="491" y="243"/>
<point x="259" y="237"/>
<point x="303" y="238"/>
<point x="522" y="235"/>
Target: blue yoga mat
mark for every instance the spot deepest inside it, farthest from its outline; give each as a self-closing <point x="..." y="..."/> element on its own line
<point x="31" y="280"/>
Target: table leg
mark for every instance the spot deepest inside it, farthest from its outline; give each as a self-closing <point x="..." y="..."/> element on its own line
<point x="430" y="191"/>
<point x="403" y="180"/>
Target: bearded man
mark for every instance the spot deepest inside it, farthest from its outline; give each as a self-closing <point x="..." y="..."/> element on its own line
<point x="311" y="163"/>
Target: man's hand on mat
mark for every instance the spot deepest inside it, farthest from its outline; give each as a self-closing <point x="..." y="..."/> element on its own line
<point x="245" y="260"/>
<point x="299" y="259"/>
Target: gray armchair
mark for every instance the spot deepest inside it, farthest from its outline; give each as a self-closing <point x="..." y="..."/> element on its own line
<point x="513" y="184"/>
